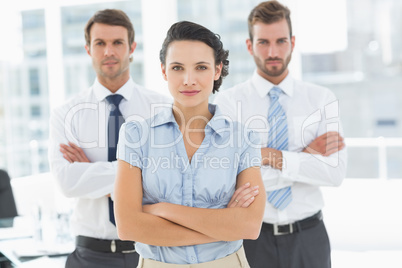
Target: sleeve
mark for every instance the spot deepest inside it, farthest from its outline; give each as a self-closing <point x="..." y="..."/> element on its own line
<point x="82" y="180"/>
<point x="316" y="169"/>
<point x="131" y="139"/>
<point x="251" y="151"/>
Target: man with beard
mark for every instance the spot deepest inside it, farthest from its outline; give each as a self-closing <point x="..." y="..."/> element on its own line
<point x="83" y="139"/>
<point x="302" y="149"/>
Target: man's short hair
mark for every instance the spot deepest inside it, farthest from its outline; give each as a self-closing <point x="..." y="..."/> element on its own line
<point x="113" y="17"/>
<point x="268" y="12"/>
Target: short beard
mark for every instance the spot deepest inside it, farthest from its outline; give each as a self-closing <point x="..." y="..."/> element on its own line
<point x="275" y="72"/>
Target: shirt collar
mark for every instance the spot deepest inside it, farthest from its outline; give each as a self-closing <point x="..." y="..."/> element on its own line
<point x="263" y="86"/>
<point x="217" y="122"/>
<point x="102" y="92"/>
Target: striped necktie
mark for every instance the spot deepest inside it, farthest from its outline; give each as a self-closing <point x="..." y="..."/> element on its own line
<point x="278" y="139"/>
<point x="115" y="121"/>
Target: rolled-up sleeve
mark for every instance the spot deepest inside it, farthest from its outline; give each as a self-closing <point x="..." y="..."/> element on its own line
<point x="251" y="151"/>
<point x="132" y="136"/>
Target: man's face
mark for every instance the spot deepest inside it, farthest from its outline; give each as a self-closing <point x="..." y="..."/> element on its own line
<point x="110" y="52"/>
<point x="272" y="49"/>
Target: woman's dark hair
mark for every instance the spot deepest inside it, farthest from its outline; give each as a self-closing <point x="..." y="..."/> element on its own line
<point x="189" y="31"/>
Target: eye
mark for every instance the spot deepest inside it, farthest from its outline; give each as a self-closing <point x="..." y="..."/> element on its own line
<point x="177" y="68"/>
<point x="99" y="43"/>
<point x="282" y="41"/>
<point x="262" y="42"/>
<point x="202" y="67"/>
<point x="118" y="42"/>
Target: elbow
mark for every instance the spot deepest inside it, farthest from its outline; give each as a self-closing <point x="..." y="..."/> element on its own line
<point x="128" y="228"/>
<point x="253" y="231"/>
<point x="338" y="182"/>
<point x="67" y="190"/>
<point x="125" y="232"/>
<point x="337" y="178"/>
<point x="64" y="182"/>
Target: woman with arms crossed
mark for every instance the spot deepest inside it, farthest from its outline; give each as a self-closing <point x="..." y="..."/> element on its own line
<point x="178" y="171"/>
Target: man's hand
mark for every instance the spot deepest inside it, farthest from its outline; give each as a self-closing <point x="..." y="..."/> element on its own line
<point x="244" y="196"/>
<point x="72" y="153"/>
<point x="326" y="144"/>
<point x="272" y="157"/>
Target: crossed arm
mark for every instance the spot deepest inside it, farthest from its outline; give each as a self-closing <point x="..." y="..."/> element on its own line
<point x="243" y="196"/>
<point x="166" y="224"/>
<point x="325" y="145"/>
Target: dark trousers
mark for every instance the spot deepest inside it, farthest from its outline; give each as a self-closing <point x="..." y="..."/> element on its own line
<point x="307" y="248"/>
<point x="87" y="258"/>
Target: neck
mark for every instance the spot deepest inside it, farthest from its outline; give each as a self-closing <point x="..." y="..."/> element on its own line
<point x="113" y="84"/>
<point x="190" y="118"/>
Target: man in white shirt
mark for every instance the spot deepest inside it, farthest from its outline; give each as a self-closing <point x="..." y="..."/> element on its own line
<point x="310" y="153"/>
<point x="81" y="154"/>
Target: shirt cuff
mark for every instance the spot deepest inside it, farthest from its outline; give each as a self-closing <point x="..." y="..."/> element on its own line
<point x="290" y="164"/>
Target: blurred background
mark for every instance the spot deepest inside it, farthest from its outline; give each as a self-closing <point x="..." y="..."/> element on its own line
<point x="353" y="47"/>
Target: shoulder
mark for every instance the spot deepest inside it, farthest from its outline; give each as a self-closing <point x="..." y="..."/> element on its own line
<point x="82" y="100"/>
<point x="313" y="90"/>
<point x="134" y="133"/>
<point x="235" y="92"/>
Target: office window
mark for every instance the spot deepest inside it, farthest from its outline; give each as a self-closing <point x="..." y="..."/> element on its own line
<point x="35" y="111"/>
<point x="34" y="82"/>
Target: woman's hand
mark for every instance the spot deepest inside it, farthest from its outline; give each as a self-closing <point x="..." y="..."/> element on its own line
<point x="243" y="196"/>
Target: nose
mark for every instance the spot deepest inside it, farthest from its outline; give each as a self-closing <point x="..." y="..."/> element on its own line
<point x="189" y="79"/>
<point x="109" y="50"/>
<point x="272" y="51"/>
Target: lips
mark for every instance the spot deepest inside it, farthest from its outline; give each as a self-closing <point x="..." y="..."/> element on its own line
<point x="190" y="92"/>
<point x="274" y="62"/>
<point x="109" y="63"/>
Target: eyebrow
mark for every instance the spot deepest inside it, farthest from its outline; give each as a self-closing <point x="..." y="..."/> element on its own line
<point x="280" y="38"/>
<point x="100" y="39"/>
<point x="200" y="62"/>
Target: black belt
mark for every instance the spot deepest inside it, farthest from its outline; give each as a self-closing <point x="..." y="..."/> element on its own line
<point x="293" y="227"/>
<point x="102" y="245"/>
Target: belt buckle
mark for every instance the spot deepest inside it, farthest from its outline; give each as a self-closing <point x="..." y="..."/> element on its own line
<point x="277" y="232"/>
<point x="113" y="246"/>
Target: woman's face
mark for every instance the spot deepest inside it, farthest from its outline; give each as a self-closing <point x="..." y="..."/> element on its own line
<point x="190" y="72"/>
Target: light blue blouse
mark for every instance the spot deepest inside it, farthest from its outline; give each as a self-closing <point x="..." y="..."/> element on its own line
<point x="156" y="146"/>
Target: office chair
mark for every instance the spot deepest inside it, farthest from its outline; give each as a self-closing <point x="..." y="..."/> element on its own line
<point x="8" y="208"/>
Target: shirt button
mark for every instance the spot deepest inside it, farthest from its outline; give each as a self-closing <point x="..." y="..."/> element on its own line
<point x="192" y="258"/>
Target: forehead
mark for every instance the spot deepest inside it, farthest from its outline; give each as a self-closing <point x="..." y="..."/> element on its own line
<point x="274" y="30"/>
<point x="185" y="51"/>
<point x="106" y="32"/>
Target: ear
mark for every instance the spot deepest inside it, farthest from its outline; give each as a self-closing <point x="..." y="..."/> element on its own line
<point x="132" y="47"/>
<point x="249" y="44"/>
<point x="88" y="50"/>
<point x="218" y="71"/>
<point x="163" y="71"/>
<point x="293" y="39"/>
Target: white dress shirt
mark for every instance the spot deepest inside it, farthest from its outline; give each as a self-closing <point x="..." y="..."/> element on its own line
<point x="83" y="121"/>
<point x="311" y="111"/>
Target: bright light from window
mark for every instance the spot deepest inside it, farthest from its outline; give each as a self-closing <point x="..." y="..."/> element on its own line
<point x="321" y="26"/>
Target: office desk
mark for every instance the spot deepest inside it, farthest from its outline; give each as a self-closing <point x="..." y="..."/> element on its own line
<point x="19" y="245"/>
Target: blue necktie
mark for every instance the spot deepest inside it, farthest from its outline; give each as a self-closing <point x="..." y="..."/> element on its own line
<point x="115" y="121"/>
<point x="278" y="139"/>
